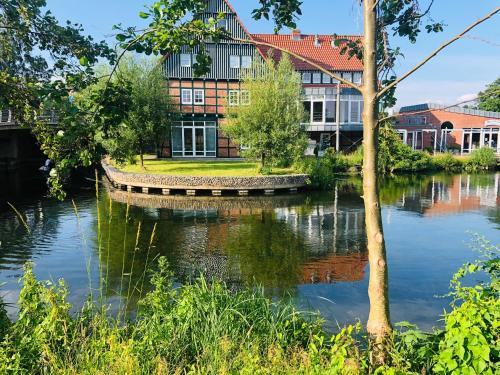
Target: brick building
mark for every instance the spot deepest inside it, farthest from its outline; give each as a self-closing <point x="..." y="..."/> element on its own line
<point x="440" y="128"/>
<point x="202" y="100"/>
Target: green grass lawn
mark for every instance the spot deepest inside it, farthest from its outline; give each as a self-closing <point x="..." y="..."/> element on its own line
<point x="200" y="168"/>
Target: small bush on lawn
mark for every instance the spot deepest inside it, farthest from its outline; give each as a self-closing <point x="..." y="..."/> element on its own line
<point x="481" y="159"/>
<point x="322" y="170"/>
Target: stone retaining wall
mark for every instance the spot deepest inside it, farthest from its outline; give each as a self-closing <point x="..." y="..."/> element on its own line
<point x="160" y="181"/>
<point x="180" y="202"/>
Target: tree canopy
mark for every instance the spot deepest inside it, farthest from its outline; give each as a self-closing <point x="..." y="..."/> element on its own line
<point x="266" y="117"/>
<point x="489" y="99"/>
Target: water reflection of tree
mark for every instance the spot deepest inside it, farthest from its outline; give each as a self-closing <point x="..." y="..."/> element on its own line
<point x="18" y="244"/>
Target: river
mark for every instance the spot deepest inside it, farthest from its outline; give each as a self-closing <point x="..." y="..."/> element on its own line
<point x="310" y="247"/>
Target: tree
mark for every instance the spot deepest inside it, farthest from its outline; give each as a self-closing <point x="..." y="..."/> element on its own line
<point x="381" y="19"/>
<point x="41" y="64"/>
<point x="489" y="99"/>
<point x="268" y="120"/>
<point x="149" y="117"/>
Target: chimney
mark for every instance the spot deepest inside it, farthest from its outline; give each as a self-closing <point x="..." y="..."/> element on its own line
<point x="296" y="34"/>
<point x="316" y="41"/>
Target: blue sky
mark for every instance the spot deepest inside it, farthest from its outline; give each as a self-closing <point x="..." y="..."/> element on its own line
<point x="460" y="71"/>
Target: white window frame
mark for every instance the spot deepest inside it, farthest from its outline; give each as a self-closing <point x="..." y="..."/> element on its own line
<point x="184" y="99"/>
<point x="183" y="56"/>
<point x="199" y="101"/>
<point x="246" y="62"/>
<point x="232" y="59"/>
<point x="245" y="98"/>
<point x="233" y="98"/>
<point x="306" y="80"/>
<point x="316" y="77"/>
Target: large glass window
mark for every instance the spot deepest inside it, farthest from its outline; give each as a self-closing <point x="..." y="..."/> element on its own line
<point x="316" y="77"/>
<point x="186" y="60"/>
<point x="194" y="138"/>
<point x="234" y="62"/>
<point x="317" y="113"/>
<point x="344" y="111"/>
<point x="246" y="62"/>
<point x="187" y="96"/>
<point x="306" y="77"/>
<point x="199" y="96"/>
<point x="355" y="112"/>
<point x="330" y="111"/>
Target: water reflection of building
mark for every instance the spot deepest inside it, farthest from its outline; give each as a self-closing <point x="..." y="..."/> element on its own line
<point x="452" y="194"/>
<point x="299" y="240"/>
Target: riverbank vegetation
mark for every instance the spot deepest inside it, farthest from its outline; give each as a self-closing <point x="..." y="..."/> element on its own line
<point x="205" y="328"/>
<point x="394" y="157"/>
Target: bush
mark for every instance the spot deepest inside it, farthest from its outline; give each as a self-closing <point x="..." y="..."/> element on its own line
<point x="447" y="162"/>
<point x="481" y="159"/>
<point x="322" y="170"/>
<point x="396" y="156"/>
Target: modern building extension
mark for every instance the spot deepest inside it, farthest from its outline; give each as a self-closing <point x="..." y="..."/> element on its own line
<point x="199" y="132"/>
<point x="439" y="128"/>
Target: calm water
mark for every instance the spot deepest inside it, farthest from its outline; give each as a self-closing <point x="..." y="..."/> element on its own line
<point x="309" y="246"/>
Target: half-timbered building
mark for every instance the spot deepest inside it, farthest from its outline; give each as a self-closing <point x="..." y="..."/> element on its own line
<point x="333" y="109"/>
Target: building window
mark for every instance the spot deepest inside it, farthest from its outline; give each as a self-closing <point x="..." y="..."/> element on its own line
<point x="246" y="62"/>
<point x="199" y="96"/>
<point x="185" y="60"/>
<point x="234" y="62"/>
<point x="245" y="97"/>
<point x="306" y="78"/>
<point x="221" y="24"/>
<point x="357" y="77"/>
<point x="355" y="112"/>
<point x="317" y="112"/>
<point x="233" y="98"/>
<point x="186" y="96"/>
<point x="347" y="76"/>
<point x="330" y="111"/>
<point x="326" y="78"/>
<point x="317" y="78"/>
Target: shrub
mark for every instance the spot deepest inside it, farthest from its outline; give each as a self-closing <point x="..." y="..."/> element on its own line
<point x="322" y="170"/>
<point x="447" y="162"/>
<point x="481" y="158"/>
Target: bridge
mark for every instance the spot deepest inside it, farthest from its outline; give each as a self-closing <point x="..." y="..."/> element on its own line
<point x="18" y="147"/>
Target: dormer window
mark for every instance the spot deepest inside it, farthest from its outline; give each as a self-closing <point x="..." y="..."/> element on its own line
<point x="317" y="43"/>
<point x="186" y="60"/>
<point x="296" y="35"/>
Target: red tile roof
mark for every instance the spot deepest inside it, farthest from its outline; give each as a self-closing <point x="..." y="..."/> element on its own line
<point x="324" y="55"/>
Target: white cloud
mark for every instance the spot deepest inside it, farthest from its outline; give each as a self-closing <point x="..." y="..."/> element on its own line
<point x="466" y="98"/>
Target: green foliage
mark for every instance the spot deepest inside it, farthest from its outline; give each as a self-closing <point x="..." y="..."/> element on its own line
<point x="447" y="162"/>
<point x="270" y="124"/>
<point x="42" y="63"/>
<point x="322" y="170"/>
<point x="489" y="99"/>
<point x="395" y="156"/>
<point x="481" y="159"/>
<point x="149" y="114"/>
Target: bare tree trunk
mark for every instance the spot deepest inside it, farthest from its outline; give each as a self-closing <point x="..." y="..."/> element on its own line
<point x="379" y="325"/>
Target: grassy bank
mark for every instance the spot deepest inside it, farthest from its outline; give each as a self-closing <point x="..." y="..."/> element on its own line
<point x="201" y="168"/>
<point x="206" y="328"/>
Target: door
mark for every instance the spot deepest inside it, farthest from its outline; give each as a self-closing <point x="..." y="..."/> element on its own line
<point x="199" y="144"/>
<point x="188" y="141"/>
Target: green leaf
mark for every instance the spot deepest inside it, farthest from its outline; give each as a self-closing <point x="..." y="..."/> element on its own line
<point x="143" y="15"/>
<point x="84" y="61"/>
<point x="121" y="37"/>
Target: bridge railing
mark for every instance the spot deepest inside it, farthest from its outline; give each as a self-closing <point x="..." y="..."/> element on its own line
<point x="7" y="118"/>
